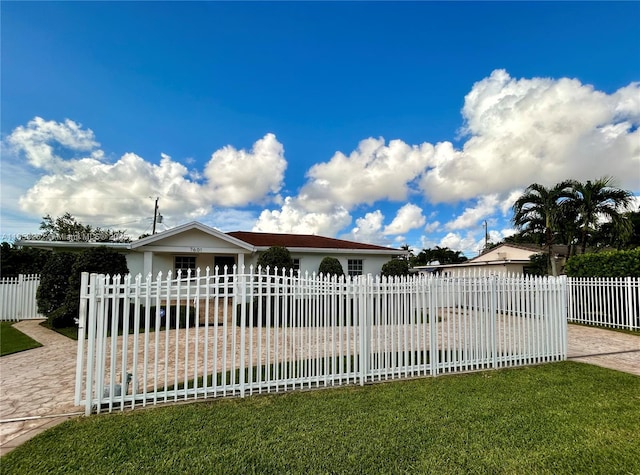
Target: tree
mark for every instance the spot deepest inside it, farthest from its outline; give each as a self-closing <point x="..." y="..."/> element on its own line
<point x="330" y="266"/>
<point x="395" y="267"/>
<point x="53" y="288"/>
<point x="276" y="257"/>
<point x="598" y="201"/>
<point x="99" y="260"/>
<point x="441" y="255"/>
<point x="539" y="211"/>
<point x="58" y="295"/>
<point x="27" y="260"/>
<point x="67" y="228"/>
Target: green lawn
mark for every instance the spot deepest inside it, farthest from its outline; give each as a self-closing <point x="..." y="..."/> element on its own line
<point x="556" y="418"/>
<point x="13" y="341"/>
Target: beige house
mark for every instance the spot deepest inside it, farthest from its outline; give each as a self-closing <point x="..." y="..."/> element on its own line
<point x="195" y="245"/>
<point x="502" y="259"/>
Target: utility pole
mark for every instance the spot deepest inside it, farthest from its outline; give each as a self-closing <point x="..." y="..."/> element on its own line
<point x="155" y="216"/>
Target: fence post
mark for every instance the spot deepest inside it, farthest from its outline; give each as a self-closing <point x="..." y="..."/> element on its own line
<point x="82" y="319"/>
<point x="91" y="343"/>
<point x="563" y="317"/>
<point x="243" y="324"/>
<point x="433" y="327"/>
<point x="629" y="310"/>
<point x="362" y="322"/>
<point x="493" y="309"/>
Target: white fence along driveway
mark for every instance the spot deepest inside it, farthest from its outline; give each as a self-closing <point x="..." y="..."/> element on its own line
<point x="239" y="333"/>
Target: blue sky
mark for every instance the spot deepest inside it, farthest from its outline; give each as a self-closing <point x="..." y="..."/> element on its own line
<point x="392" y="123"/>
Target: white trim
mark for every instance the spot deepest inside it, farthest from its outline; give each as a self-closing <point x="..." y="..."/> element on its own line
<point x="187" y="227"/>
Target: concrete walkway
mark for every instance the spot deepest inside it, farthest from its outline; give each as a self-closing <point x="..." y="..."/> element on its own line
<point x="37" y="386"/>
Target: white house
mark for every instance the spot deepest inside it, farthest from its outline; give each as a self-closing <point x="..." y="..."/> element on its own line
<point x="195" y="245"/>
<point x="502" y="259"/>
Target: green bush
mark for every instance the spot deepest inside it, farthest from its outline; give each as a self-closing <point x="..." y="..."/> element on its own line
<point x="53" y="288"/>
<point x="99" y="260"/>
<point x="331" y="266"/>
<point x="58" y="295"/>
<point x="276" y="257"/>
<point x="395" y="267"/>
<point x="605" y="264"/>
<point x="26" y="260"/>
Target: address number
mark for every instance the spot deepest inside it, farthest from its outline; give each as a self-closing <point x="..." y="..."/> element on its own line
<point x="196" y="249"/>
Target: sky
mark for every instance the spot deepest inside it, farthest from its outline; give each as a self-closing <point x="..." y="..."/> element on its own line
<point x="391" y="123"/>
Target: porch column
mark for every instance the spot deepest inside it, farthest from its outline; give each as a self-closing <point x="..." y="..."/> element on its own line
<point x="240" y="261"/>
<point x="148" y="263"/>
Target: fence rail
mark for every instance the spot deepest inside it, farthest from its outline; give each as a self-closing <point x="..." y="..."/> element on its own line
<point x="18" y="298"/>
<point x="158" y="340"/>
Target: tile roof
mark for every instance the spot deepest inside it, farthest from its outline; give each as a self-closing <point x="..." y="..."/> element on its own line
<point x="303" y="241"/>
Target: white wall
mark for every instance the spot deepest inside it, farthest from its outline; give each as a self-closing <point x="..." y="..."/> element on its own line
<point x="163" y="262"/>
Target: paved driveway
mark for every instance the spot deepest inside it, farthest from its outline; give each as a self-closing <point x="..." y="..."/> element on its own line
<point x="37" y="386"/>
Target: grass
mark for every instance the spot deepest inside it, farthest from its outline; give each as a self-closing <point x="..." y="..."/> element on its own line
<point x="557" y="418"/>
<point x="13" y="340"/>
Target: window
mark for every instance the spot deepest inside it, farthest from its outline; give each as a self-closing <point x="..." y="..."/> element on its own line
<point x="354" y="266"/>
<point x="296" y="266"/>
<point x="185" y="263"/>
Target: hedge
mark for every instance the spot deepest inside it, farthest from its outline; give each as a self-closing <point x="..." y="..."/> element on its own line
<point x="605" y="264"/>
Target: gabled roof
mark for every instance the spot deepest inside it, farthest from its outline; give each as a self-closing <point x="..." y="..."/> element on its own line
<point x="187" y="227"/>
<point x="307" y="241"/>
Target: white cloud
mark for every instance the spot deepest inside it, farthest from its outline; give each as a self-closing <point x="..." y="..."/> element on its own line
<point x="408" y="217"/>
<point x="538" y="130"/>
<point x="432" y="227"/>
<point x="468" y="244"/>
<point x="237" y="177"/>
<point x="36" y="137"/>
<point x="368" y="229"/>
<point x="294" y="218"/>
<point x="486" y="206"/>
<point x="374" y="171"/>
<point x="96" y="191"/>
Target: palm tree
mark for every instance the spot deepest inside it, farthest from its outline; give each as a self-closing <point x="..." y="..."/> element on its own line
<point x="539" y="211"/>
<point x="597" y="202"/>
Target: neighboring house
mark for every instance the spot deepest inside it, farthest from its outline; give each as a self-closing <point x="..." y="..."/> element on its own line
<point x="195" y="245"/>
<point x="502" y="259"/>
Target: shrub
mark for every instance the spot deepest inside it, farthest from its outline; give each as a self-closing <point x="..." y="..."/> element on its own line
<point x="605" y="264"/>
<point x="395" y="267"/>
<point x="26" y="260"/>
<point x="53" y="288"/>
<point x="100" y="260"/>
<point x="331" y="266"/>
<point x="276" y="257"/>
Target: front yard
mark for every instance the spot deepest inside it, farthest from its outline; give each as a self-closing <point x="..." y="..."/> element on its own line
<point x="555" y="418"/>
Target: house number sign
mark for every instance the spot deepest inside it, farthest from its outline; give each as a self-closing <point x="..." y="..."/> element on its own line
<point x="196" y="249"/>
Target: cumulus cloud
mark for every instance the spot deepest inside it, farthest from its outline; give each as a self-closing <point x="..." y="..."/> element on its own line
<point x="98" y="191"/>
<point x="293" y="217"/>
<point x="368" y="229"/>
<point x="374" y="171"/>
<point x="36" y="138"/>
<point x="538" y="130"/>
<point x="486" y="206"/>
<point x="237" y="177"/>
<point x="432" y="226"/>
<point x="409" y="217"/>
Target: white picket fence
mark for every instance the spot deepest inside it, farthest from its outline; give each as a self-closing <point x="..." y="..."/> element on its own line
<point x="607" y="302"/>
<point x="210" y="335"/>
<point x="18" y="298"/>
